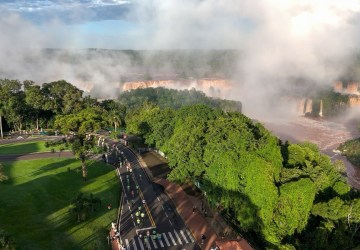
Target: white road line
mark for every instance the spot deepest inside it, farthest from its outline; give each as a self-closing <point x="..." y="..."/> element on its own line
<point x="129" y="207"/>
<point x="134" y="223"/>
<point x="134" y="243"/>
<point x="170" y="222"/>
<point x="126" y="243"/>
<point x="172" y="238"/>
<point x="161" y="243"/>
<point x="166" y="239"/>
<point x="183" y="235"/>
<point x="166" y="214"/>
<point x="178" y="237"/>
<point x="140" y="243"/>
<point x="189" y="234"/>
<point x="153" y="241"/>
<point x="158" y="198"/>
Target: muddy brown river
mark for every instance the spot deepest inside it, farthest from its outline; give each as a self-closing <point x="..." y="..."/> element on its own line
<point x="327" y="134"/>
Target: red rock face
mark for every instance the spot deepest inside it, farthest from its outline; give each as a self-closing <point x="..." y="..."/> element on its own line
<point x="354" y="101"/>
<point x="352" y="88"/>
<point x="338" y="87"/>
<point x="308" y="107"/>
<point x="210" y="86"/>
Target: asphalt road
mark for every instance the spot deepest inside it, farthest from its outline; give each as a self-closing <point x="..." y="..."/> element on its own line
<point x="148" y="218"/>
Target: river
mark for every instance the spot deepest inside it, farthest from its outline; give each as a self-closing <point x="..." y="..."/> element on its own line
<point x="327" y="134"/>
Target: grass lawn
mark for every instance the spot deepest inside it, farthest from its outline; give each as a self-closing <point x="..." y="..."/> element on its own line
<point x="35" y="204"/>
<point x="26" y="147"/>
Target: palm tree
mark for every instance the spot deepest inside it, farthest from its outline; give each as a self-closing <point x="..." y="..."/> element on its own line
<point x="93" y="200"/>
<point x="79" y="206"/>
<point x="1" y="126"/>
<point x="80" y="149"/>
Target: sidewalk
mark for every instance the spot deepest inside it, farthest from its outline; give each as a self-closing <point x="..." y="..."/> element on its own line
<point x="212" y="226"/>
<point x="194" y="220"/>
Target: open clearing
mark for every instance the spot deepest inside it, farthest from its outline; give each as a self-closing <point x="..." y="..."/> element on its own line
<point x="35" y="203"/>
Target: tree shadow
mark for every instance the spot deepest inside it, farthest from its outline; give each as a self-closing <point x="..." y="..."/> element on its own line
<point x="40" y="207"/>
<point x="19" y="148"/>
<point x="236" y="206"/>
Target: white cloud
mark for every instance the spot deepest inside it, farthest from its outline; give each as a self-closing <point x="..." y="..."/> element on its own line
<point x="278" y="38"/>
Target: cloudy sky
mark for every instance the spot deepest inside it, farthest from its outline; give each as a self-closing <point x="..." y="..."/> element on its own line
<point x="278" y="39"/>
<point x="178" y="24"/>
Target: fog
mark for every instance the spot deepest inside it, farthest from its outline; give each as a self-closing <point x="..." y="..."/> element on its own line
<point x="278" y="41"/>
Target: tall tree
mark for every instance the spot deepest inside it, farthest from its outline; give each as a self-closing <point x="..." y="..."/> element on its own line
<point x="80" y="124"/>
<point x="116" y="112"/>
<point x="35" y="98"/>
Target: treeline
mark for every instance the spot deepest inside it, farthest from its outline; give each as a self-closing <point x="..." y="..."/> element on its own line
<point x="351" y="149"/>
<point x="171" y="98"/>
<point x="25" y="105"/>
<point x="289" y="195"/>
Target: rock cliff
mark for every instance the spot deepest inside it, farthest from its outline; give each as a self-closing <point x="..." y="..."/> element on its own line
<point x="210" y="86"/>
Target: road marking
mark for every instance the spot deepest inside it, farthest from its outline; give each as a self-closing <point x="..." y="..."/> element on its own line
<point x="172" y="238"/>
<point x="170" y="222"/>
<point x="126" y="243"/>
<point x="141" y="244"/>
<point x="158" y="198"/>
<point x="133" y="243"/>
<point x="166" y="240"/>
<point x="189" y="234"/>
<point x="153" y="241"/>
<point x="160" y="241"/>
<point x="178" y="237"/>
<point x="183" y="235"/>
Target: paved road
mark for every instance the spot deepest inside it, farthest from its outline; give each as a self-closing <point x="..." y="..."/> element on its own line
<point x="147" y="210"/>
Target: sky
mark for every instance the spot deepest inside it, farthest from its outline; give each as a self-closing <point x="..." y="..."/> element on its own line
<point x="278" y="39"/>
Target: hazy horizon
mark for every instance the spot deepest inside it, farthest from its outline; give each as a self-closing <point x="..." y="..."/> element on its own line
<point x="278" y="40"/>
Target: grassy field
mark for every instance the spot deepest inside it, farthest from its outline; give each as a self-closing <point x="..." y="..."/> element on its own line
<point x="35" y="204"/>
<point x="25" y="147"/>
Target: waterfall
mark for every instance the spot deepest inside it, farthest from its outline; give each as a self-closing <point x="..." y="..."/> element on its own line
<point x="321" y="108"/>
<point x="308" y="106"/>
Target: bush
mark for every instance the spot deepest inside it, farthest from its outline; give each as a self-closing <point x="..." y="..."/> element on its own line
<point x="53" y="150"/>
<point x="47" y="144"/>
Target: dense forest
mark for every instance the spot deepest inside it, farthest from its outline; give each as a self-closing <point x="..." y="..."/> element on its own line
<point x="26" y="105"/>
<point x="289" y="195"/>
<point x="351" y="149"/>
<point x="171" y="98"/>
<point x="286" y="196"/>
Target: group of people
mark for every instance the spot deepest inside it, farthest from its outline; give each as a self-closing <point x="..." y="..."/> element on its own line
<point x="116" y="234"/>
<point x="140" y="215"/>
